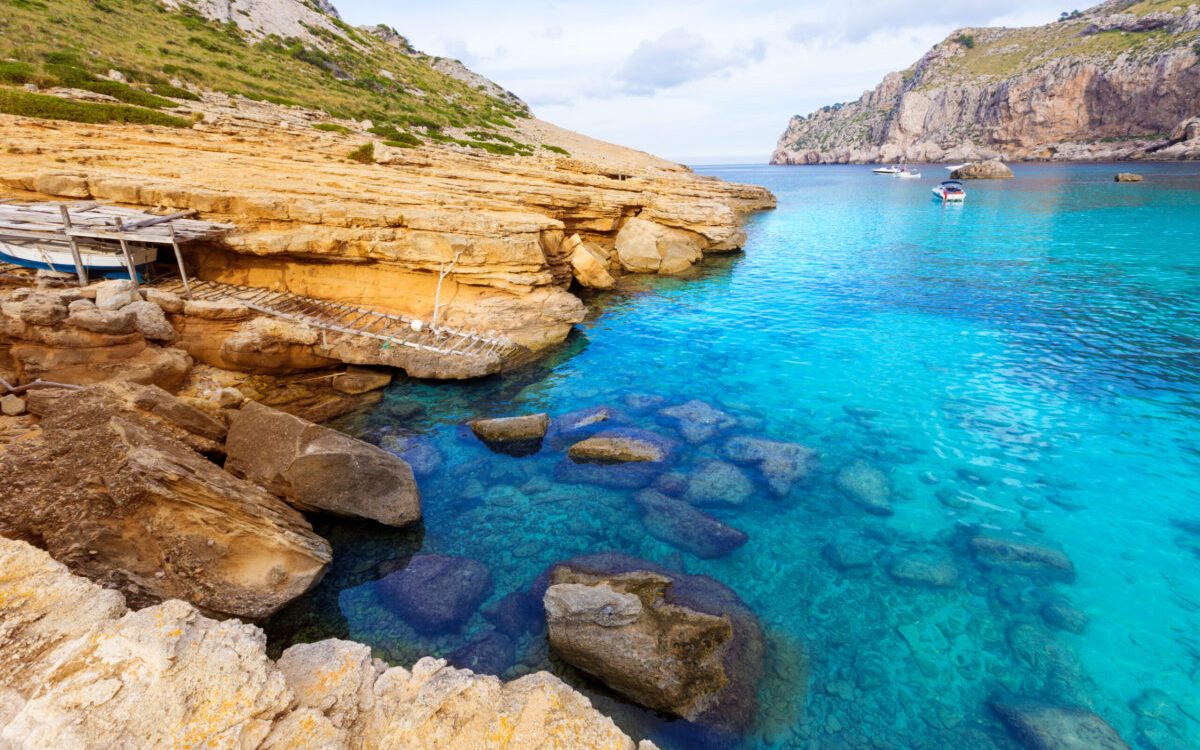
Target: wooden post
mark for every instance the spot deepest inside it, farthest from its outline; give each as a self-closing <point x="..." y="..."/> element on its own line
<point x="128" y="258"/>
<point x="179" y="258"/>
<point x="80" y="269"/>
<point x="437" y="295"/>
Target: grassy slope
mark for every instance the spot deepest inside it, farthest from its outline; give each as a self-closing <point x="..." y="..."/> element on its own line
<point x="57" y="40"/>
<point x="1015" y="50"/>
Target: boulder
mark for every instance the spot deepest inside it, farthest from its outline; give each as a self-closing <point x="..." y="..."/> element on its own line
<point x="617" y="449"/>
<point x="358" y="380"/>
<point x="684" y="645"/>
<point x="1127" y="177"/>
<point x="12" y="406"/>
<point x="150" y="320"/>
<point x="631" y="475"/>
<point x="846" y="555"/>
<point x="982" y="170"/>
<point x="115" y="294"/>
<point x="924" y="570"/>
<point x="679" y="524"/>
<point x="1038" y="726"/>
<point x="697" y="421"/>
<point x="588" y="264"/>
<point x="1022" y="557"/>
<point x="492" y="653"/>
<point x="318" y="469"/>
<point x="866" y="485"/>
<point x="435" y="593"/>
<point x="1061" y="614"/>
<point x="718" y="483"/>
<point x="781" y="464"/>
<point x="515" y="614"/>
<point x="116" y="493"/>
<point x="91" y="318"/>
<point x="518" y="436"/>
<point x="573" y="426"/>
<point x="648" y="247"/>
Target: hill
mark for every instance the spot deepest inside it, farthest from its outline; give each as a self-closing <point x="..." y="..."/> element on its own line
<point x="1121" y="80"/>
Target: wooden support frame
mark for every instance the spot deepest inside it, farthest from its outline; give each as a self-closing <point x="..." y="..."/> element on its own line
<point x="187" y="287"/>
<point x="128" y="258"/>
<point x="80" y="269"/>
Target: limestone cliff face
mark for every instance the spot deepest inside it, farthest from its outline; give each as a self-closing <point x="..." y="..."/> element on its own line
<point x="1116" y="82"/>
<point x="312" y="222"/>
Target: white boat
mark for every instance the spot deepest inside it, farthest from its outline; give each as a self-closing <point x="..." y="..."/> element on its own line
<point x="953" y="167"/>
<point x="99" y="259"/>
<point x="887" y="170"/>
<point x="908" y="174"/>
<point x="950" y="191"/>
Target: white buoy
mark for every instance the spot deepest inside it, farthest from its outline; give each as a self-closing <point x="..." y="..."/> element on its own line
<point x="417" y="326"/>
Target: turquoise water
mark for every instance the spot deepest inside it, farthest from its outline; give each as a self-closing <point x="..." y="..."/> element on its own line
<point x="1027" y="364"/>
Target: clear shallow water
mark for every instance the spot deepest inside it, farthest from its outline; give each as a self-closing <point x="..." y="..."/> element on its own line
<point x="1028" y="363"/>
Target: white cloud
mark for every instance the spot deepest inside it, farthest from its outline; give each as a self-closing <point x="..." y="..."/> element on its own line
<point x="686" y="77"/>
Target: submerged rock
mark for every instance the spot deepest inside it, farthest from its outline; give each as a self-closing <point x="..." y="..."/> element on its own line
<point x="514" y="436"/>
<point x="846" y="555"/>
<point x="677" y="523"/>
<point x="924" y="569"/>
<point x="316" y="468"/>
<point x="1061" y="614"/>
<point x="781" y="464"/>
<point x="516" y="614"/>
<point x="697" y="421"/>
<point x="420" y="454"/>
<point x="616" y="449"/>
<point x="681" y="644"/>
<point x="865" y="485"/>
<point x="635" y="475"/>
<point x="1038" y="726"/>
<point x="574" y="426"/>
<point x="718" y="483"/>
<point x="1014" y="556"/>
<point x="492" y="653"/>
<point x="435" y="593"/>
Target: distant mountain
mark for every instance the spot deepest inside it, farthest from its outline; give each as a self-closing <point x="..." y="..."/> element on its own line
<point x="1119" y="81"/>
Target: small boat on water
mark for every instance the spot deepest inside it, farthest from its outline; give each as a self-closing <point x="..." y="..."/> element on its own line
<point x="908" y="174"/>
<point x="950" y="191"/>
<point x="887" y="170"/>
<point x="952" y="167"/>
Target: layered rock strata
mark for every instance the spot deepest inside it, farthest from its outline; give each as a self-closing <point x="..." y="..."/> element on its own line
<point x="379" y="235"/>
<point x="1120" y="81"/>
<point x="78" y="669"/>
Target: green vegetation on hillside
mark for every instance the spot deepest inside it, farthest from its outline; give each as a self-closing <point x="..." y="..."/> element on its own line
<point x="356" y="76"/>
<point x="26" y="104"/>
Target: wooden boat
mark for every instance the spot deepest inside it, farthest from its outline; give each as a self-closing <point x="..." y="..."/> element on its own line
<point x="950" y="191"/>
<point x="99" y="260"/>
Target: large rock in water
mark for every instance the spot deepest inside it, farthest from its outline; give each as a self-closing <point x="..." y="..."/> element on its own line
<point x="675" y="522"/>
<point x="697" y="421"/>
<point x="685" y="645"/>
<point x="781" y="464"/>
<point x="77" y="670"/>
<point x="588" y="264"/>
<point x="1039" y="726"/>
<point x="112" y="489"/>
<point x="617" y="449"/>
<point x="865" y="485"/>
<point x="983" y="170"/>
<point x="516" y="436"/>
<point x="1027" y="558"/>
<point x="318" y="469"/>
<point x="648" y="247"/>
<point x="434" y="593"/>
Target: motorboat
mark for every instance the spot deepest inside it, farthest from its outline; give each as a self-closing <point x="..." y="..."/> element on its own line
<point x="100" y="260"/>
<point x="952" y="167"/>
<point x="887" y="170"/>
<point x="908" y="174"/>
<point x="950" y="191"/>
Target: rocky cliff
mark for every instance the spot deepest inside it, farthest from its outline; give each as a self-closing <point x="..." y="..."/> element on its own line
<point x="80" y="670"/>
<point x="355" y="168"/>
<point x="1120" y="81"/>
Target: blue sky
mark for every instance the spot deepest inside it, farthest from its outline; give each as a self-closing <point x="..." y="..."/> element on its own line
<point x="687" y="80"/>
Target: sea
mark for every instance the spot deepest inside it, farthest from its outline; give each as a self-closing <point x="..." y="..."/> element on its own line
<point x="1023" y="367"/>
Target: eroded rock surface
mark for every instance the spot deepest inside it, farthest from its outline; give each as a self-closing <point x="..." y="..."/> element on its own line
<point x="318" y="469"/>
<point x="79" y="670"/>
<point x="681" y="644"/>
<point x="113" y="487"/>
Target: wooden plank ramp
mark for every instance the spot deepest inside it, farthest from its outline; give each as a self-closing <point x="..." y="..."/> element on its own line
<point x="388" y="329"/>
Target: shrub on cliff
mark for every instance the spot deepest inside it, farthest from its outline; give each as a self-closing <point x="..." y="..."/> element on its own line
<point x="26" y="104"/>
<point x="364" y="154"/>
<point x="966" y="40"/>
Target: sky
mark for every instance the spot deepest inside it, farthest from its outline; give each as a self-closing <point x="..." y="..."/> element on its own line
<point x="698" y="81"/>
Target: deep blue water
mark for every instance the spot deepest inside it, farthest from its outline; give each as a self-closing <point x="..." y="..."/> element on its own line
<point x="1027" y="364"/>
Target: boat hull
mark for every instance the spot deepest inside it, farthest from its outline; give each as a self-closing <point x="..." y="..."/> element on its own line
<point x="48" y="256"/>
